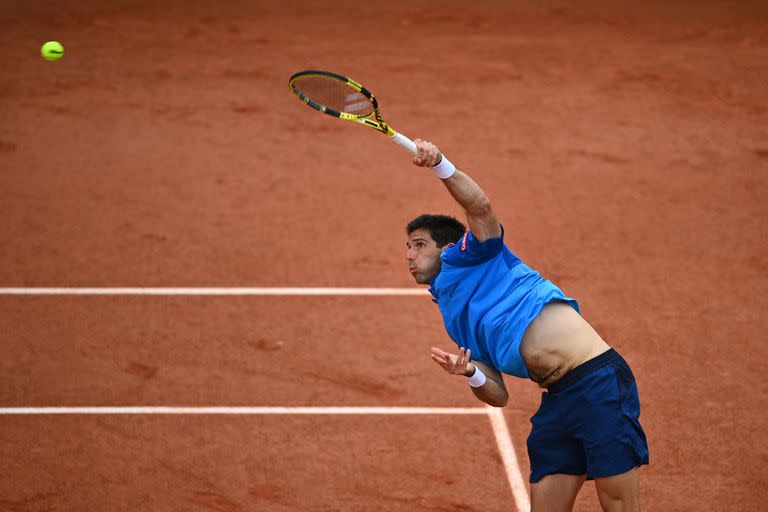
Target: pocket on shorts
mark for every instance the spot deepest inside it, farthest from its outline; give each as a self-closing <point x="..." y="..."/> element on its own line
<point x="624" y="379"/>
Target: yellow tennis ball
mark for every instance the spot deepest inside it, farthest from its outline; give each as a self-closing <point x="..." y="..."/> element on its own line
<point x="52" y="50"/>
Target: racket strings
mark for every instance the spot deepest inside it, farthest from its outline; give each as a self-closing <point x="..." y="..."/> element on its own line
<point x="334" y="95"/>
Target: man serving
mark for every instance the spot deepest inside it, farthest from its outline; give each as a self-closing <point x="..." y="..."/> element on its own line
<point x="507" y="319"/>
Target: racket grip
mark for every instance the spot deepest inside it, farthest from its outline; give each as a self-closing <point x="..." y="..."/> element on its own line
<point x="405" y="142"/>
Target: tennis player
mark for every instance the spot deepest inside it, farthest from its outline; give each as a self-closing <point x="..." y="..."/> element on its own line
<point x="507" y="319"/>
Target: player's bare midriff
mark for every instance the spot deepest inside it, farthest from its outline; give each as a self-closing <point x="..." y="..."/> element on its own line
<point x="557" y="341"/>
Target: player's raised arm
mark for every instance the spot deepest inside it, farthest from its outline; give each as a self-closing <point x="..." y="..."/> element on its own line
<point x="480" y="216"/>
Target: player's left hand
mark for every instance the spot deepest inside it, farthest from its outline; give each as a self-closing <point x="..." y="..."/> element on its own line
<point x="427" y="154"/>
<point x="452" y="363"/>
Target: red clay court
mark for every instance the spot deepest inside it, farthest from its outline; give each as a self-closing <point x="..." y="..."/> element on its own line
<point x="625" y="150"/>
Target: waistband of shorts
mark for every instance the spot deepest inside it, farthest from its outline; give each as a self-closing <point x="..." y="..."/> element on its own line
<point x="608" y="357"/>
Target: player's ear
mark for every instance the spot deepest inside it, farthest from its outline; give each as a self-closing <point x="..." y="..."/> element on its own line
<point x="449" y="244"/>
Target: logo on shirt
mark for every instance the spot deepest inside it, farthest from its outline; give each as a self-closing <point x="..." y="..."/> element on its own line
<point x="464" y="241"/>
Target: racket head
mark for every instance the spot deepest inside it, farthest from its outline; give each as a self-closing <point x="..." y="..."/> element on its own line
<point x="334" y="94"/>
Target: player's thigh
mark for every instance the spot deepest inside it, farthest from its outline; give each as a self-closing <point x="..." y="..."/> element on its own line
<point x="620" y="493"/>
<point x="555" y="493"/>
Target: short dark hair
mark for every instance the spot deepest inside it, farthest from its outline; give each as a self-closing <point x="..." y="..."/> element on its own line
<point x="443" y="229"/>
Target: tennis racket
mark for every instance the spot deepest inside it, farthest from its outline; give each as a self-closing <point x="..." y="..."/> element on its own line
<point x="342" y="97"/>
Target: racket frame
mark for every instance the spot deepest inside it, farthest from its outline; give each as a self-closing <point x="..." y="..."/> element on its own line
<point x="377" y="124"/>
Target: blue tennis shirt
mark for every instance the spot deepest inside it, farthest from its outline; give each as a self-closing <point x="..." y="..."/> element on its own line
<point x="487" y="297"/>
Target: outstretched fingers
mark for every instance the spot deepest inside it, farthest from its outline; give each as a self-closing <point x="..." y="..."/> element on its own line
<point x="459" y="361"/>
<point x="452" y="363"/>
<point x="438" y="356"/>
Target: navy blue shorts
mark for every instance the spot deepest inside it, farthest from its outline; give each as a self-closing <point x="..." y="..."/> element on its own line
<point x="588" y="422"/>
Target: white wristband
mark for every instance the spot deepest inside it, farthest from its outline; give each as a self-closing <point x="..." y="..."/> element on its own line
<point x="477" y="379"/>
<point x="444" y="169"/>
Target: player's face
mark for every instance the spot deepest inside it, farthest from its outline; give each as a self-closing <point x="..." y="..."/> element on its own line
<point x="423" y="256"/>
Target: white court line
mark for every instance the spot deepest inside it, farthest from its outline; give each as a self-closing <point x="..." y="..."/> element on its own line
<point x="496" y="416"/>
<point x="515" y="476"/>
<point x="503" y="440"/>
<point x="215" y="291"/>
<point x="243" y="410"/>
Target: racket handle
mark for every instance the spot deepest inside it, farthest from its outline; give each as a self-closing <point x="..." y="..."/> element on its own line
<point x="405" y="142"/>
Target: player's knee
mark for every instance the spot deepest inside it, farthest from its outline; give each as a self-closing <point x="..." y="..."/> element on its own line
<point x="620" y="493"/>
<point x="618" y="503"/>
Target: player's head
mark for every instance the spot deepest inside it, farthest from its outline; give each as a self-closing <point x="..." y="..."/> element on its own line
<point x="428" y="235"/>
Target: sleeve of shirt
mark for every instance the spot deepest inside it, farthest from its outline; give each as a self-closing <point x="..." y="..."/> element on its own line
<point x="469" y="251"/>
